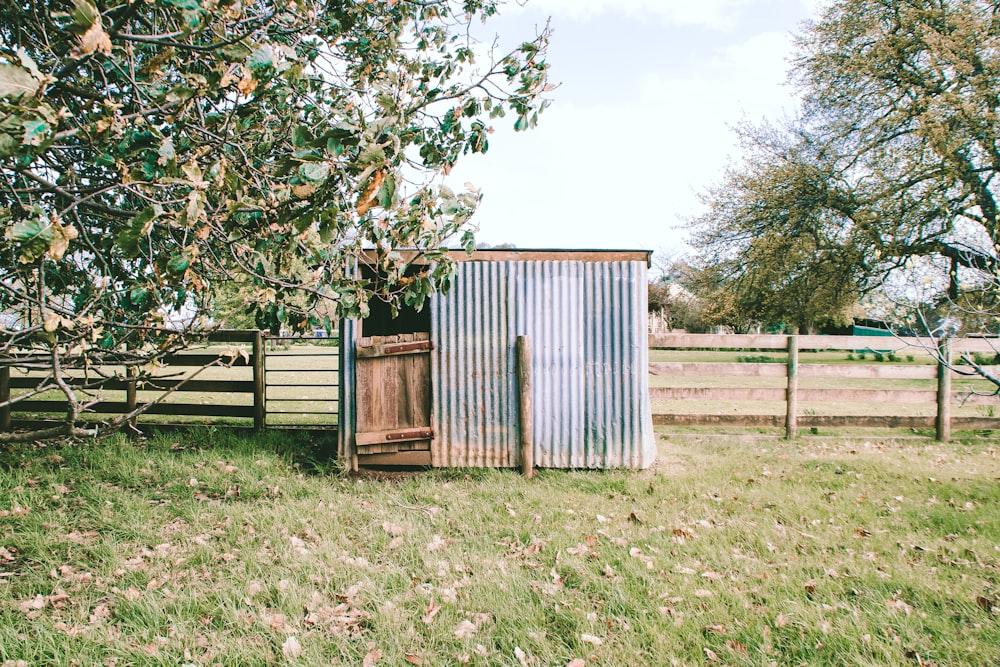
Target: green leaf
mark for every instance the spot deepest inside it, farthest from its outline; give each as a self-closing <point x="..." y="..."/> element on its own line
<point x="34" y="237"/>
<point x="315" y="171"/>
<point x="8" y="145"/>
<point x="386" y="194"/>
<point x="16" y="82"/>
<point x="262" y="58"/>
<point x="237" y="52"/>
<point x="139" y="228"/>
<point x="185" y="4"/>
<point x="521" y="123"/>
<point x="84" y="14"/>
<point x="178" y="264"/>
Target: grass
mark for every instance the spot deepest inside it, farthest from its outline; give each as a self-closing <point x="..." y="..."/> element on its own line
<point x="211" y="549"/>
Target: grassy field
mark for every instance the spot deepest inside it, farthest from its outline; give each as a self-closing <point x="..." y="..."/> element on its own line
<point x="209" y="549"/>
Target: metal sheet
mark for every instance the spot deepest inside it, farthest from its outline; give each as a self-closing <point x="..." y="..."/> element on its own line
<point x="587" y="322"/>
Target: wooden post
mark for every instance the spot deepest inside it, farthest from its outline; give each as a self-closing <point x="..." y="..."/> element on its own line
<point x="4" y="397"/>
<point x="944" y="392"/>
<point x="791" y="398"/>
<point x="131" y="400"/>
<point x="259" y="399"/>
<point x="527" y="436"/>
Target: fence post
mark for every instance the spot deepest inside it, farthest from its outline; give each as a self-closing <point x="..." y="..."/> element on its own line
<point x="131" y="400"/>
<point x="527" y="434"/>
<point x="943" y="421"/>
<point x="791" y="397"/>
<point x="259" y="409"/>
<point x="4" y="397"/>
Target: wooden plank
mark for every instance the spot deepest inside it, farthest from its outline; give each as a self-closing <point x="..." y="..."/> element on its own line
<point x="530" y="255"/>
<point x="184" y="359"/>
<point x="388" y="448"/>
<point x="845" y="343"/>
<point x="525" y="395"/>
<point x="716" y="369"/>
<point x="4" y="397"/>
<point x="943" y="420"/>
<point x="716" y="394"/>
<point x="869" y="371"/>
<point x="812" y="421"/>
<point x="422" y="459"/>
<point x="234" y="336"/>
<point x="150" y="384"/>
<point x="259" y="384"/>
<point x="792" y="389"/>
<point x="396" y="435"/>
<point x="391" y="349"/>
<point x="871" y="396"/>
<point x="121" y="407"/>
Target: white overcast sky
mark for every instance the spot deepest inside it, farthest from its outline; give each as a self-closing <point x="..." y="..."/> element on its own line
<point x="641" y="123"/>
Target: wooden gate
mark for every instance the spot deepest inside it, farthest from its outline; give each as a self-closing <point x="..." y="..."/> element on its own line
<point x="394" y="400"/>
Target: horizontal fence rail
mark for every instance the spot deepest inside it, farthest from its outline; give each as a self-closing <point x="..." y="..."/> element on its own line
<point x="236" y="391"/>
<point x="778" y="382"/>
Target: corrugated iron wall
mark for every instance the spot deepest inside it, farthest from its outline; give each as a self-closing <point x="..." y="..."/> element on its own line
<point x="587" y="324"/>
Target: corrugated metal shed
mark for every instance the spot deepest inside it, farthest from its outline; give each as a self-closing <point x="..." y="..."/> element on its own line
<point x="585" y="313"/>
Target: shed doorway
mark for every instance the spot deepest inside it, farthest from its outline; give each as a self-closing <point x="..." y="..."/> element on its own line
<point x="393" y="376"/>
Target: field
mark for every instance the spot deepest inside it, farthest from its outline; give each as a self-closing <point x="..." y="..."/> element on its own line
<point x="210" y="549"/>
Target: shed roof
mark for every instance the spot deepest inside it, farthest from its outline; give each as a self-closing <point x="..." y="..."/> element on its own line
<point x="535" y="255"/>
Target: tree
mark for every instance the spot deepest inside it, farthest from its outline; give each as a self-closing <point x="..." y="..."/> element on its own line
<point x="894" y="154"/>
<point x="153" y="151"/>
<point x="772" y="244"/>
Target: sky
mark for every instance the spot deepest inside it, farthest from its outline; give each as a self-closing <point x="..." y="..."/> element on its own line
<point x="641" y="122"/>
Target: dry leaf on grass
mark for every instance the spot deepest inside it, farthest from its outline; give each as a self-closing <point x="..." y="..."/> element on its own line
<point x="372" y="657"/>
<point x="291" y="649"/>
<point x="465" y="629"/>
<point x="591" y="639"/>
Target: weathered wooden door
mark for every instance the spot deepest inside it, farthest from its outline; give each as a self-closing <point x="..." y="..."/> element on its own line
<point x="394" y="400"/>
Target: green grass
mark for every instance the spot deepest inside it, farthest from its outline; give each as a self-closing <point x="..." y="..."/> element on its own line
<point x="211" y="549"/>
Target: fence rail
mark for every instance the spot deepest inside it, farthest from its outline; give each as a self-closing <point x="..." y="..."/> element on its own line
<point x="935" y="380"/>
<point x="241" y="382"/>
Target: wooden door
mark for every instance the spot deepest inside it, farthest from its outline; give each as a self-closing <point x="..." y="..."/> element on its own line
<point x="394" y="400"/>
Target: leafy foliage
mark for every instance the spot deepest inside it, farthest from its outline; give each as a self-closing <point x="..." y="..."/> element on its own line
<point x="152" y="152"/>
<point x="892" y="159"/>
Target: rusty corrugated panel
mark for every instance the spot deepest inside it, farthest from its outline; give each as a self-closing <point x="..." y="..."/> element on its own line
<point x="590" y="358"/>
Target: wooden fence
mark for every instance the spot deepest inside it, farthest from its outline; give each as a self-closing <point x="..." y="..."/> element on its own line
<point x="939" y="378"/>
<point x="244" y="388"/>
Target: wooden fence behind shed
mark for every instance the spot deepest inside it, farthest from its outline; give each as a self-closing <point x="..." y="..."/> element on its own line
<point x="236" y="392"/>
<point x="938" y="394"/>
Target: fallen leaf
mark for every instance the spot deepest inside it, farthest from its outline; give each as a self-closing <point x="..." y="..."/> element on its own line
<point x="413" y="659"/>
<point x="702" y="593"/>
<point x="719" y="629"/>
<point x="898" y="605"/>
<point x="291" y="648"/>
<point x="711" y="655"/>
<point x="591" y="639"/>
<point x="576" y="662"/>
<point x="521" y="656"/>
<point x="736" y="647"/>
<point x="465" y="629"/>
<point x="430" y="612"/>
<point x="810" y="586"/>
<point x="372" y="657"/>
<point x="780" y="621"/>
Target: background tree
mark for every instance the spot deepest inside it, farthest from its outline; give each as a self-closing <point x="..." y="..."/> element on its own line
<point x="894" y="155"/>
<point x="152" y="151"/>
